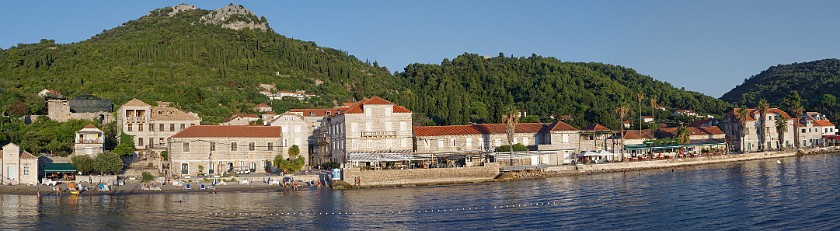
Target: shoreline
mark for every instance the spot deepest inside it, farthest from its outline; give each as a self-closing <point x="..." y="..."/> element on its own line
<point x="552" y="171"/>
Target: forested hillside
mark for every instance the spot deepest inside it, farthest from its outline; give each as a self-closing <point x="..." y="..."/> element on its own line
<point x="811" y="79"/>
<point x="203" y="68"/>
<point x="214" y="71"/>
<point x="472" y="88"/>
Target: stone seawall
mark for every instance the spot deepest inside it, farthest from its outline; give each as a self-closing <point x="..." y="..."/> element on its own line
<point x="643" y="165"/>
<point x="408" y="177"/>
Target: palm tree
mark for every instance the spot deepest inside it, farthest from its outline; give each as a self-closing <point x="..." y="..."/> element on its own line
<point x="781" y="128"/>
<point x="797" y="111"/>
<point x="622" y="112"/>
<point x="653" y="110"/>
<point x="683" y="136"/>
<point x="640" y="96"/>
<point x="762" y="111"/>
<point x="510" y="118"/>
<point x="743" y="113"/>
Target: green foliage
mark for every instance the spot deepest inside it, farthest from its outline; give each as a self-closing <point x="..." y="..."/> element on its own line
<point x="43" y="135"/>
<point x="294" y="150"/>
<point x="108" y="162"/>
<point x="200" y="168"/>
<point x="147" y="177"/>
<point x="810" y="79"/>
<point x="457" y="91"/>
<point x="83" y="163"/>
<point x="278" y="159"/>
<point x="165" y="155"/>
<point x="126" y="146"/>
<point x="516" y="148"/>
<point x="290" y="166"/>
<point x="201" y="68"/>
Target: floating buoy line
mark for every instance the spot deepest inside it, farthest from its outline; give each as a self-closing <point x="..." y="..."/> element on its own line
<point x="295" y="213"/>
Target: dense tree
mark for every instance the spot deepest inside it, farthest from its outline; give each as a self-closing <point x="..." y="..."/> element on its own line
<point x="108" y="162"/>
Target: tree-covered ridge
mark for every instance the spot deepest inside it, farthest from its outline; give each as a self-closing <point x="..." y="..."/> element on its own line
<point x="472" y="88"/>
<point x="811" y="79"/>
<point x="202" y="68"/>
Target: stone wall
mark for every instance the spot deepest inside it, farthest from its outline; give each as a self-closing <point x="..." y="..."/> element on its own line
<point x="421" y="176"/>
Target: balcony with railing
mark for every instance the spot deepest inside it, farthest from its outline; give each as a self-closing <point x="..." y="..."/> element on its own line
<point x="379" y="134"/>
<point x="90" y="141"/>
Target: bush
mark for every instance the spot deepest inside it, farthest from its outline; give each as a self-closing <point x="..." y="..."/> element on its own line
<point x="108" y="162"/>
<point x="126" y="146"/>
<point x="516" y="148"/>
<point x="330" y="165"/>
<point x="147" y="177"/>
<point x="83" y="163"/>
<point x="291" y="166"/>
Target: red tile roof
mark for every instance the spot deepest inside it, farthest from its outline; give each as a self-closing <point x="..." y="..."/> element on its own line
<point x="711" y="130"/>
<point x="90" y="126"/>
<point x="27" y="155"/>
<point x="202" y="131"/>
<point x="596" y="127"/>
<point x="474" y="129"/>
<point x="136" y="102"/>
<point x="561" y="126"/>
<point x="636" y="134"/>
<point x="823" y="123"/>
<point x="754" y="113"/>
<point x="357" y="108"/>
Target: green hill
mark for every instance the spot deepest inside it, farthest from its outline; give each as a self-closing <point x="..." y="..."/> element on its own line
<point x="816" y="81"/>
<point x="472" y="88"/>
<point x="200" y="67"/>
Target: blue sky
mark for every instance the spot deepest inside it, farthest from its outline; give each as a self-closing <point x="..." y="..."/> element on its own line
<point x="705" y="46"/>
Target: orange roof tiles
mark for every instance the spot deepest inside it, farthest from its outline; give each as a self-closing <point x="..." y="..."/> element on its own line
<point x="27" y="155"/>
<point x="358" y="107"/>
<point x="823" y="123"/>
<point x="636" y="134"/>
<point x="170" y="113"/>
<point x="136" y="102"/>
<point x="90" y="126"/>
<point x="754" y="113"/>
<point x="474" y="129"/>
<point x="596" y="127"/>
<point x="711" y="130"/>
<point x="318" y="111"/>
<point x="211" y="131"/>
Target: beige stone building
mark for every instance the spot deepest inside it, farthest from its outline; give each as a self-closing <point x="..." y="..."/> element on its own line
<point x="812" y="127"/>
<point x="223" y="149"/>
<point x="151" y="126"/>
<point x="241" y="119"/>
<point x="373" y="125"/>
<point x="732" y="126"/>
<point x="83" y="107"/>
<point x="89" y="141"/>
<point x="558" y="140"/>
<point x="296" y="131"/>
<point x="19" y="166"/>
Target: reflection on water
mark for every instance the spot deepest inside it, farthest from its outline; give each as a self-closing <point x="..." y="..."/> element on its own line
<point x="799" y="193"/>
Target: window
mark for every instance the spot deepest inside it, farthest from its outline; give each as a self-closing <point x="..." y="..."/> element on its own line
<point x="370" y="144"/>
<point x="183" y="126"/>
<point x="251" y="146"/>
<point x="187" y="147"/>
<point x="171" y="127"/>
<point x="129" y="127"/>
<point x="211" y="168"/>
<point x="452" y="141"/>
<point x="270" y="146"/>
<point x="355" y="145"/>
<point x="151" y="127"/>
<point x="140" y="141"/>
<point x="185" y="168"/>
<point x="233" y="146"/>
<point x="139" y="127"/>
<point x="26" y="170"/>
<point x="212" y="146"/>
<point x="160" y="127"/>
